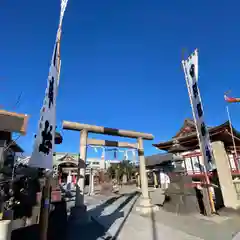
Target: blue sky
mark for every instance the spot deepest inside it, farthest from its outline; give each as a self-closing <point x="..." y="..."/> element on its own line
<point x="121" y="63"/>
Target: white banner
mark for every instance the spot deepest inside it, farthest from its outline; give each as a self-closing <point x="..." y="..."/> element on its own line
<point x="42" y="156"/>
<point x="190" y="67"/>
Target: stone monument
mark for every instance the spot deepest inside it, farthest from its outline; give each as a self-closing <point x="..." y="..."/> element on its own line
<point x="180" y="196"/>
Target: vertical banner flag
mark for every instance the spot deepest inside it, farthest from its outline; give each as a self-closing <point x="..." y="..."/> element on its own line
<point x="42" y="155"/>
<point x="190" y="67"/>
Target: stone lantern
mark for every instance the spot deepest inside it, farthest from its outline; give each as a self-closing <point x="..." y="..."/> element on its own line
<point x="181" y="198"/>
<point x="176" y="149"/>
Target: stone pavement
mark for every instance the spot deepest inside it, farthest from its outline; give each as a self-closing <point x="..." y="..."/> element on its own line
<point x="115" y="216"/>
<point x="207" y="228"/>
<point x="223" y="227"/>
<point x="162" y="224"/>
<point x="237" y="236"/>
<point x="90" y="201"/>
<point x="108" y="213"/>
<point x="142" y="228"/>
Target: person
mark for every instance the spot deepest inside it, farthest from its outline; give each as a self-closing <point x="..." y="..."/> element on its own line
<point x="138" y="181"/>
<point x="164" y="180"/>
<point x="69" y="182"/>
<point x="136" y="177"/>
<point x="155" y="180"/>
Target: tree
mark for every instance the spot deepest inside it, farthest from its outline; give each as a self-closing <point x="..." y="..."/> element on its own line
<point x="112" y="171"/>
<point x="122" y="171"/>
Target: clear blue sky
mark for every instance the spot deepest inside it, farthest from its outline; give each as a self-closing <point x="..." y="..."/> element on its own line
<point x="120" y="62"/>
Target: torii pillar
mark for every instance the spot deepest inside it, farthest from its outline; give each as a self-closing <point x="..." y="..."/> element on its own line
<point x="145" y="205"/>
<point x="79" y="211"/>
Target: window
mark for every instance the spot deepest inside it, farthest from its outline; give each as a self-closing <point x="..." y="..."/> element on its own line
<point x="95" y="163"/>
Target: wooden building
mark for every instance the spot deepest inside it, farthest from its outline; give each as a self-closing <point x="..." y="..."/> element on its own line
<point x="68" y="162"/>
<point x="186" y="144"/>
<point x="10" y="122"/>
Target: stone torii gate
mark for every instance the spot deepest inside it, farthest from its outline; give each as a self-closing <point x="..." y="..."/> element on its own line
<point x="145" y="205"/>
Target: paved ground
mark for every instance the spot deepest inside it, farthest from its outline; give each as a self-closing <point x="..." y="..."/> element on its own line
<point x="170" y="225"/>
<point x="90" y="201"/>
<point x="114" y="214"/>
<point x="139" y="227"/>
<point x="95" y="206"/>
<point x="195" y="226"/>
<point x="223" y="227"/>
<point x="91" y="231"/>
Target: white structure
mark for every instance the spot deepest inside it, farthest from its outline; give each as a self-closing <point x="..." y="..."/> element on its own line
<point x="100" y="163"/>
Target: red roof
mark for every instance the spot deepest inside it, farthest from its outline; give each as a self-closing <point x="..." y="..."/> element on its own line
<point x="187" y="135"/>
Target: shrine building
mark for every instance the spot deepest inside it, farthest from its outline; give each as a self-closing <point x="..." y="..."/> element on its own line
<point x="185" y="143"/>
<point x="68" y="163"/>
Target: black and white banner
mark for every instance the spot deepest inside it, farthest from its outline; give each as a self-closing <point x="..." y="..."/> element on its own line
<point x="190" y="67"/>
<point x="42" y="156"/>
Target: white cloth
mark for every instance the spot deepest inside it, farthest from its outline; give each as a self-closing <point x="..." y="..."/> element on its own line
<point x="69" y="179"/>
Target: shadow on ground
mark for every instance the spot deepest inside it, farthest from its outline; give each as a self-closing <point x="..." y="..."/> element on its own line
<point x="93" y="230"/>
<point x="56" y="228"/>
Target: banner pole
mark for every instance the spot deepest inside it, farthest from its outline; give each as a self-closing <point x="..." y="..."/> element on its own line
<point x="42" y="156"/>
<point x="45" y="208"/>
<point x="210" y="202"/>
